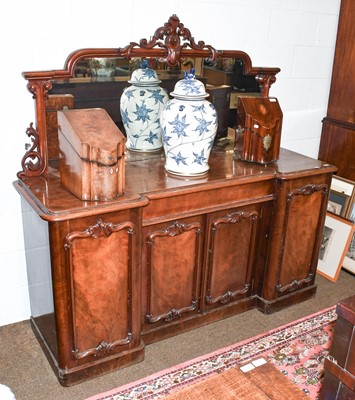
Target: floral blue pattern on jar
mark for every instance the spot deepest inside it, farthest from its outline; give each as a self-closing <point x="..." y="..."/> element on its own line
<point x="140" y="107"/>
<point x="189" y="124"/>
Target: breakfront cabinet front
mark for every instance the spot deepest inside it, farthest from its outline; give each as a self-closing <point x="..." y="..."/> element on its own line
<point x="194" y="266"/>
<point x="181" y="254"/>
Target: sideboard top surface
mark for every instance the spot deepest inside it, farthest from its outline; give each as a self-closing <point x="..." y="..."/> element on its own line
<point x="147" y="178"/>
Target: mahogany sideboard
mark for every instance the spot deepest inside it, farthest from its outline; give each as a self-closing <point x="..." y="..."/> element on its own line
<point x="171" y="253"/>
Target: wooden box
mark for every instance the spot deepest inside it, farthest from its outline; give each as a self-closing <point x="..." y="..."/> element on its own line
<point x="339" y="366"/>
<point x="258" y="134"/>
<point x="92" y="152"/>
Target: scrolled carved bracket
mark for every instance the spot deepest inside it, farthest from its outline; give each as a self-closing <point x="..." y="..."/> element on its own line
<point x="172" y="314"/>
<point x="173" y="37"/>
<point x="29" y="167"/>
<point x="103" y="348"/>
<point x="38" y="149"/>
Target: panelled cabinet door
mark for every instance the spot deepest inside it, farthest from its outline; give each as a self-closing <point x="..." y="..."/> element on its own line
<point x="302" y="226"/>
<point x="102" y="279"/>
<point x="232" y="243"/>
<point x="171" y="271"/>
<point x="296" y="235"/>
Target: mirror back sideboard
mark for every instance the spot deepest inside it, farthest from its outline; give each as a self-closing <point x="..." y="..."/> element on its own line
<point x="170" y="254"/>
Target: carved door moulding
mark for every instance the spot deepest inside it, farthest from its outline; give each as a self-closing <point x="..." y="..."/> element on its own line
<point x="81" y="277"/>
<point x="176" y="228"/>
<point x="231" y="218"/>
<point x="307" y="190"/>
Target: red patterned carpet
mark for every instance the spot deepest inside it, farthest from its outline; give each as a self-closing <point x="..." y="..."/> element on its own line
<point x="297" y="349"/>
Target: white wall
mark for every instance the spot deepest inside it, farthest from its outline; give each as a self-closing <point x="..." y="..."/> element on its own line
<point x="296" y="35"/>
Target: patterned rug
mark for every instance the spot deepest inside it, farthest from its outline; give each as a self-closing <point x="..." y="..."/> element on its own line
<point x="297" y="349"/>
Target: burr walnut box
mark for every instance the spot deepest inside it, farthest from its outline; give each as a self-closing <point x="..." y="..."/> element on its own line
<point x="258" y="134"/>
<point x="91" y="148"/>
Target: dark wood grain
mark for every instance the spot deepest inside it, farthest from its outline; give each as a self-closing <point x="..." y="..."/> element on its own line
<point x="337" y="145"/>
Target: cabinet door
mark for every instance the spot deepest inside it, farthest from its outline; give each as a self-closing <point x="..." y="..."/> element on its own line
<point x="232" y="252"/>
<point x="296" y="235"/>
<point x="103" y="288"/>
<point x="171" y="272"/>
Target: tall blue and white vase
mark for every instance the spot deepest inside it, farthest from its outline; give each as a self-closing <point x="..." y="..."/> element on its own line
<point x="140" y="107"/>
<point x="189" y="126"/>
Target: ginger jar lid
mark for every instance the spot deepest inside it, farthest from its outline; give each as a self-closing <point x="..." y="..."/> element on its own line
<point x="189" y="88"/>
<point x="144" y="76"/>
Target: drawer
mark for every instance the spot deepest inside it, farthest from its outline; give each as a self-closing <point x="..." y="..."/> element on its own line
<point x="175" y="205"/>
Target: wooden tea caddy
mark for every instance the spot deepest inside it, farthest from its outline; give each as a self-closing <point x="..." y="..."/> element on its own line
<point x="167" y="255"/>
<point x="92" y="152"/>
<point x="258" y="133"/>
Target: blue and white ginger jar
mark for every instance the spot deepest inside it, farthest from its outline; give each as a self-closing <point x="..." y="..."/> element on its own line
<point x="189" y="124"/>
<point x="140" y="106"/>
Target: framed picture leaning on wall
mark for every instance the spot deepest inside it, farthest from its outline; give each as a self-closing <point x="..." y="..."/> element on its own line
<point x="341" y="196"/>
<point x="337" y="236"/>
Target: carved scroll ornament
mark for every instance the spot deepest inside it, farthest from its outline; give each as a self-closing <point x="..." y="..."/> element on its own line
<point x="173" y="37"/>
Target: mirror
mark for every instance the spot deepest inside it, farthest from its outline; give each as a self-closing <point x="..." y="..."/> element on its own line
<point x="94" y="78"/>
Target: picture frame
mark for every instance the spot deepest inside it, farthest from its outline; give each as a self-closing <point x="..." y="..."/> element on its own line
<point x="341" y="196"/>
<point x="351" y="211"/>
<point x="337" y="235"/>
<point x="349" y="259"/>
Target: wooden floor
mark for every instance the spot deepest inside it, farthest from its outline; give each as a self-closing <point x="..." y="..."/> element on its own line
<point x="260" y="381"/>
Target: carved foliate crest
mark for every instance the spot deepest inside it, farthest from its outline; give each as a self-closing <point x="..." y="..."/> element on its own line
<point x="173" y="37"/>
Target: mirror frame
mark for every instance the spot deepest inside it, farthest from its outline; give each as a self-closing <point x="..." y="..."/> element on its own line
<point x="171" y="43"/>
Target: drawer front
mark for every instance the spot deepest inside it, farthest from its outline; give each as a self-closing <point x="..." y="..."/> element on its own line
<point x="178" y="205"/>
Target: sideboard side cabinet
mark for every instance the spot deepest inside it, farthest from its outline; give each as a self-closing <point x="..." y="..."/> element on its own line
<point x="295" y="238"/>
<point x="92" y="292"/>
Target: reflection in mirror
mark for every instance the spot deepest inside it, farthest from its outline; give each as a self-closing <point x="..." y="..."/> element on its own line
<point x="99" y="83"/>
<point x="96" y="78"/>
